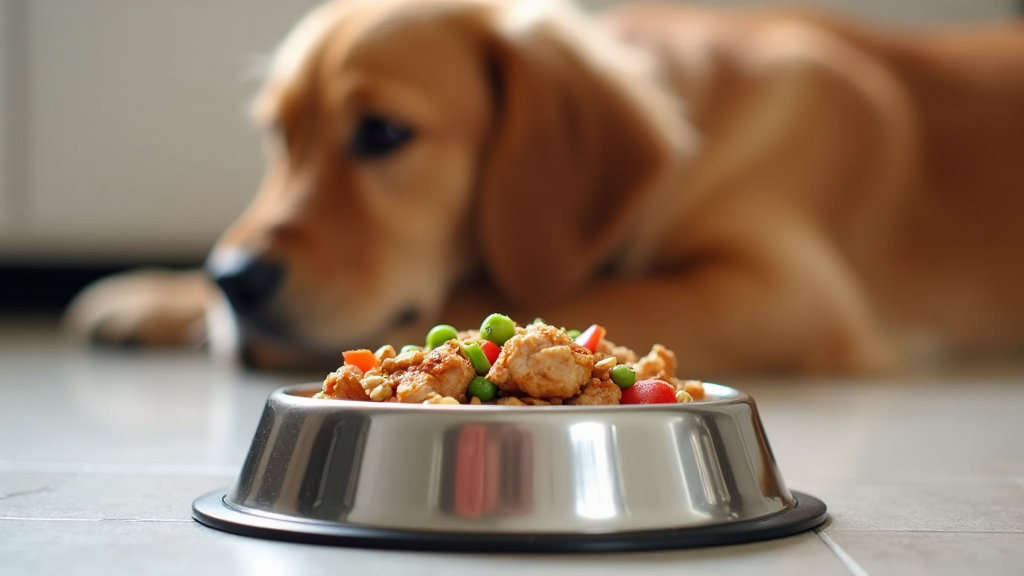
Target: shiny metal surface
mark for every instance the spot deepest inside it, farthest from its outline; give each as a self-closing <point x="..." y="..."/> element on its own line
<point x="510" y="470"/>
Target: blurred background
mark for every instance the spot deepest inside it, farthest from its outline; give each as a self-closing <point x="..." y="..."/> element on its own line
<point x="123" y="132"/>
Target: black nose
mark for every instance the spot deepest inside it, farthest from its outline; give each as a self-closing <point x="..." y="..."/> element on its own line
<point x="248" y="282"/>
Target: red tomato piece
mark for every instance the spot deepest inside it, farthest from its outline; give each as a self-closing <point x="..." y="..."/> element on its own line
<point x="491" y="350"/>
<point x="591" y="337"/>
<point x="650" y="391"/>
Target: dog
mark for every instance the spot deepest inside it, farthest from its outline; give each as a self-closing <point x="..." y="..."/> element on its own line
<point x="759" y="190"/>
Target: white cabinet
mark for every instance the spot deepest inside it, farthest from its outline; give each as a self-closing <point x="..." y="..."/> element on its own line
<point x="138" y="141"/>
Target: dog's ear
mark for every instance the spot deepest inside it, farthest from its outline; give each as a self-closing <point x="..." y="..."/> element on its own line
<point x="574" y="154"/>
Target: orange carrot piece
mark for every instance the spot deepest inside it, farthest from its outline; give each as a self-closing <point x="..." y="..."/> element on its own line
<point x="362" y="359"/>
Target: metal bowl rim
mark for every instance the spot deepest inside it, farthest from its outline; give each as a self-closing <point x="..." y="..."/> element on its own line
<point x="299" y="396"/>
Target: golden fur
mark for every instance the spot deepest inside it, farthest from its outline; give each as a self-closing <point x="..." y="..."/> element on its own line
<point x="757" y="190"/>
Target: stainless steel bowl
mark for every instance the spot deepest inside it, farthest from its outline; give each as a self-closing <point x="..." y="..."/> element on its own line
<point x="510" y="478"/>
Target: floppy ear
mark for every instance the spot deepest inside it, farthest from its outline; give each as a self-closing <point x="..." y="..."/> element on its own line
<point x="573" y="157"/>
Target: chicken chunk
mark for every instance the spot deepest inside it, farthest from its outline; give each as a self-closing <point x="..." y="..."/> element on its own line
<point x="695" y="388"/>
<point x="659" y="363"/>
<point x="597" y="392"/>
<point x="543" y="362"/>
<point x="444" y="371"/>
<point x="344" y="384"/>
<point x="621" y="353"/>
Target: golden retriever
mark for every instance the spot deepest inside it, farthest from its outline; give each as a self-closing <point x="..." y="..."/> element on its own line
<point x="758" y="190"/>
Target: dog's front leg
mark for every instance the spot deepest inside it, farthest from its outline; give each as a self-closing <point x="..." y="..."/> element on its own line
<point x="147" y="307"/>
<point x="787" y="305"/>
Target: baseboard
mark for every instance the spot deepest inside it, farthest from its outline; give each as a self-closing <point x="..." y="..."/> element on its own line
<point x="50" y="287"/>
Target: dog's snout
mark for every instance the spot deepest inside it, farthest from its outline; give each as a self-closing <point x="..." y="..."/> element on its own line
<point x="248" y="282"/>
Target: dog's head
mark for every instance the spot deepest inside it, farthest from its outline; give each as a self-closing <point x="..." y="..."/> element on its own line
<point x="414" y="142"/>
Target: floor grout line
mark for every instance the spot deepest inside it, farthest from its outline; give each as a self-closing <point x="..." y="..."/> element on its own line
<point x="911" y="480"/>
<point x="843" y="556"/>
<point x="919" y="531"/>
<point x="126" y="520"/>
<point x="87" y="468"/>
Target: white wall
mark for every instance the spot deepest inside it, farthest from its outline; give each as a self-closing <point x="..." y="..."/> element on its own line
<point x="5" y="105"/>
<point x="136" y="143"/>
<point x="125" y="119"/>
<point x="896" y="11"/>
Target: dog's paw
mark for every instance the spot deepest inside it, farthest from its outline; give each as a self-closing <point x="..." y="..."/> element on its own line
<point x="145" y="307"/>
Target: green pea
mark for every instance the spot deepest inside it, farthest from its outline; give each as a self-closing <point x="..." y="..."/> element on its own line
<point x="538" y="320"/>
<point x="624" y="376"/>
<point x="497" y="328"/>
<point x="409" y="348"/>
<point x="482" y="388"/>
<point x="476" y="357"/>
<point x="440" y="334"/>
<point x="574" y="334"/>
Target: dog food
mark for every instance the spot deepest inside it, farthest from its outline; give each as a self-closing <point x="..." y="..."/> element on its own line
<point x="506" y="364"/>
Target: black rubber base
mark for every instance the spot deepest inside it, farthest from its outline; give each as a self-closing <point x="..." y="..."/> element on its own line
<point x="211" y="510"/>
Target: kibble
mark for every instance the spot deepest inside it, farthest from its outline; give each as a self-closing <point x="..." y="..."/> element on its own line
<point x="381" y="393"/>
<point x="372" y="382"/>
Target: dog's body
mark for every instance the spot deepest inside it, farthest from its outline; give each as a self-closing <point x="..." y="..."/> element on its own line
<point x="755" y="190"/>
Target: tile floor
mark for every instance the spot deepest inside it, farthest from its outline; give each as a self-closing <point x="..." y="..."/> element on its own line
<point x="102" y="453"/>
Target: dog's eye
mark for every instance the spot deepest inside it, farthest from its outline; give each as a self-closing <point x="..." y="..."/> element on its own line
<point x="377" y="136"/>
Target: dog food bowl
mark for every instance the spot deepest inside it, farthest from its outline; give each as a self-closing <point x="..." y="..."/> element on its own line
<point x="504" y="478"/>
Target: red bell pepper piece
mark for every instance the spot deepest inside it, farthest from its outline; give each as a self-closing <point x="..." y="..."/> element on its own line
<point x="591" y="337"/>
<point x="491" y="350"/>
